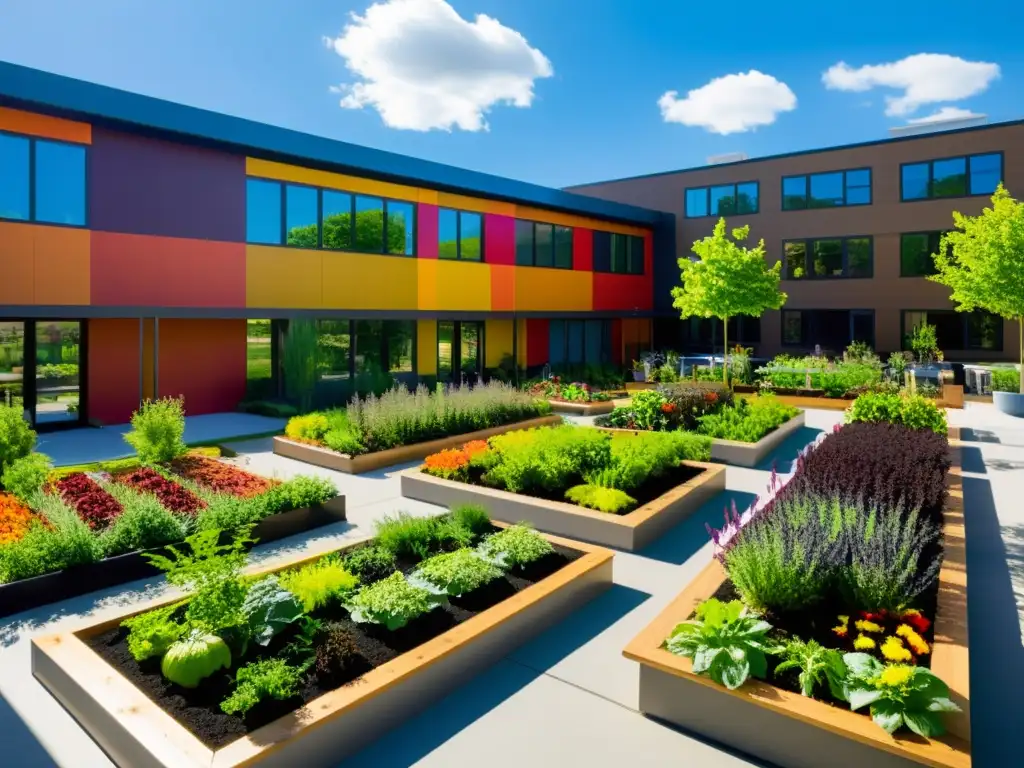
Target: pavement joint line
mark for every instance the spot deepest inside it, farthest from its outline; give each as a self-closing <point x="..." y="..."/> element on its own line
<point x="577" y="686"/>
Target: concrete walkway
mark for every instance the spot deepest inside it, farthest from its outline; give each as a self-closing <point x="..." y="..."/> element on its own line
<point x="568" y="697"/>
<point x="88" y="444"/>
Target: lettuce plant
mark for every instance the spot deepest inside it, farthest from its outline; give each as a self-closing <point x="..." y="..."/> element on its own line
<point x="392" y="602"/>
<point x="259" y="680"/>
<point x="817" y="665"/>
<point x="189" y="661"/>
<point x="269" y="608"/>
<point x="152" y="633"/>
<point x="457" y="573"/>
<point x="727" y="642"/>
<point x="318" y="583"/>
<point x="517" y="545"/>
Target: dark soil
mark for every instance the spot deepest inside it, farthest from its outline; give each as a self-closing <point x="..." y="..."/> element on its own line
<point x="199" y="709"/>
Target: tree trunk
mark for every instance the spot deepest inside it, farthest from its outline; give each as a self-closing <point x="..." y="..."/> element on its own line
<point x="725" y="350"/>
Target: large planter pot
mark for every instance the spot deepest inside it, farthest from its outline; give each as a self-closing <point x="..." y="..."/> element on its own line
<point x="639" y="376"/>
<point x="1011" y="403"/>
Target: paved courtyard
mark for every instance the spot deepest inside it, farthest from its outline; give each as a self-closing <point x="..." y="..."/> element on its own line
<point x="568" y="697"/>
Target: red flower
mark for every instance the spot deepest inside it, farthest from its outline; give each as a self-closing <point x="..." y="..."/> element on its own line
<point x="668" y="407"/>
<point x="219" y="477"/>
<point x="93" y="504"/>
<point x="917" y="621"/>
<point x="710" y="397"/>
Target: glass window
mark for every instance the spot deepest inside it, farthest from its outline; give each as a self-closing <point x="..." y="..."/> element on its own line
<point x="556" y="342"/>
<point x="915" y="181"/>
<point x="594" y="344"/>
<point x="794" y="193"/>
<point x="524" y="243"/>
<point x="949" y="329"/>
<point x="369" y="224"/>
<point x="636" y="255"/>
<point x="471" y="236"/>
<point x="14" y="183"/>
<point x="369" y="340"/>
<point x="696" y="202"/>
<point x="337" y="227"/>
<point x="445" y="344"/>
<point x="258" y="372"/>
<point x="545" y="245"/>
<point x="747" y="197"/>
<point x="574" y="341"/>
<point x="400" y="337"/>
<point x="949" y="177"/>
<point x="60" y="183"/>
<point x="858" y="257"/>
<point x="828" y="258"/>
<point x="262" y="211"/>
<point x="563" y="247"/>
<point x="916" y="251"/>
<point x="333" y="345"/>
<point x="826" y="190"/>
<point x="984" y="331"/>
<point x="986" y="173"/>
<point x="300" y="216"/>
<point x="792" y="327"/>
<point x="470" y="341"/>
<point x="723" y="200"/>
<point x="447" y="234"/>
<point x="400" y="231"/>
<point x="602" y="251"/>
<point x="858" y="187"/>
<point x="618" y="253"/>
<point x="795" y="263"/>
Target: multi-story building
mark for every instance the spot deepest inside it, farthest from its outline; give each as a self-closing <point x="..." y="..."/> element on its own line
<point x="151" y="249"/>
<point x="854" y="227"/>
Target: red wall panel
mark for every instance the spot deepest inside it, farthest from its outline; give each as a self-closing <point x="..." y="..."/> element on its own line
<point x="622" y="292"/>
<point x="426" y="231"/>
<point x="537" y="341"/>
<point x="204" y="361"/>
<point x="583" y="249"/>
<point x="145" y="270"/>
<point x="617" y="342"/>
<point x="499" y="239"/>
<point x="113" y="376"/>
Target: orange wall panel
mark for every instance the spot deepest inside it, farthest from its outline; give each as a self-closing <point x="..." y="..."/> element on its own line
<point x="503" y="288"/>
<point x="62" y="265"/>
<point x="17" y="121"/>
<point x="113" y="377"/>
<point x="203" y="361"/>
<point x="17" y="264"/>
<point x="543" y="290"/>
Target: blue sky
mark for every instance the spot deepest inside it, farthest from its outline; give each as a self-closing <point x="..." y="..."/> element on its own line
<point x="588" y="73"/>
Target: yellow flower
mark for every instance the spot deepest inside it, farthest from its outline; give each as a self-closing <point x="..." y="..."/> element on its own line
<point x="868" y="626"/>
<point x="893" y="650"/>
<point x="911" y="612"/>
<point x="863" y="643"/>
<point x="915" y="641"/>
<point x="844" y="619"/>
<point x="895" y="675"/>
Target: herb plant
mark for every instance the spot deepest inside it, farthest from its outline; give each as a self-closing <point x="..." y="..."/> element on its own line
<point x="457" y="573"/>
<point x="610" y="500"/>
<point x="912" y="411"/>
<point x="260" y="680"/>
<point x="392" y="602"/>
<point x="413" y="538"/>
<point x="64" y="542"/>
<point x="152" y="633"/>
<point x="316" y="584"/>
<point x="516" y="546"/>
<point x="16" y="436"/>
<point x="269" y="608"/>
<point x="337" y="652"/>
<point x="817" y="665"/>
<point x="144" y="523"/>
<point x="369" y="563"/>
<point x="299" y="492"/>
<point x="472" y="517"/>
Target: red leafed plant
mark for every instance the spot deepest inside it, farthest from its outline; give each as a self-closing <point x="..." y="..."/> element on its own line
<point x="219" y="477"/>
<point x="93" y="504"/>
<point x="171" y="495"/>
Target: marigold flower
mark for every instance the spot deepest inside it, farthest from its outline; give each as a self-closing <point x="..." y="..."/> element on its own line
<point x="447" y="461"/>
<point x="915" y="619"/>
<point x="863" y="643"/>
<point x="865" y="625"/>
<point x="474" y="447"/>
<point x="711" y="397"/>
<point x="841" y="629"/>
<point x="895" y="675"/>
<point x="873" y="615"/>
<point x="668" y="407"/>
<point x="15" y="518"/>
<point x="893" y="650"/>
<point x="915" y="641"/>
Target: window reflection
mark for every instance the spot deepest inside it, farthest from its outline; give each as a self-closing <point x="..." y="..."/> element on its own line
<point x="369" y="237"/>
<point x="60" y="183"/>
<point x="696" y="202"/>
<point x="447" y="234"/>
<point x="400" y="228"/>
<point x="263" y="211"/>
<point x="337" y="217"/>
<point x="301" y="225"/>
<point x="471" y="226"/>
<point x="545" y="243"/>
<point x="400" y="337"/>
<point x="524" y="243"/>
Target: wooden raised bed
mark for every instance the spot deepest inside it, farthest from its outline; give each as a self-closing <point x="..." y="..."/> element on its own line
<point x="598" y="408"/>
<point x="367" y="462"/>
<point x="26" y="594"/>
<point x="631" y="532"/>
<point x="793" y="731"/>
<point x="136" y="733"/>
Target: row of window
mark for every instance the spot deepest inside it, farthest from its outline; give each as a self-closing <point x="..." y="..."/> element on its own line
<point x="834" y="329"/>
<point x="619" y="254"/>
<point x="579" y="342"/>
<point x="933" y="179"/>
<point x="543" y="245"/>
<point x="42" y="180"/>
<point x="826" y="258"/>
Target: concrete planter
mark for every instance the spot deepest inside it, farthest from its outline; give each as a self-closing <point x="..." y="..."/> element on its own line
<point x="631" y="532"/>
<point x="793" y="731"/>
<point x="583" y="409"/>
<point x="136" y="733"/>
<point x="1010" y="403"/>
<point x="367" y="462"/>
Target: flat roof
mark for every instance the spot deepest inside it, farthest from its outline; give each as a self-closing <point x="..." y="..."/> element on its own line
<point x="798" y="153"/>
<point x="33" y="89"/>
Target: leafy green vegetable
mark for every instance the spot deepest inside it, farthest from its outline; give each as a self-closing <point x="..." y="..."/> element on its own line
<point x="517" y="545"/>
<point x="370" y="563"/>
<point x="392" y="602"/>
<point x="299" y="492"/>
<point x="318" y="583"/>
<point x="152" y="633"/>
<point x="269" y="679"/>
<point x="269" y="608"/>
<point x="610" y="500"/>
<point x="189" y="661"/>
<point x="816" y="663"/>
<point x="456" y="572"/>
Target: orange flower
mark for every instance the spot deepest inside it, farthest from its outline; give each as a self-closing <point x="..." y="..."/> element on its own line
<point x="474" y="447"/>
<point x="15" y="518"/>
<point x="447" y="463"/>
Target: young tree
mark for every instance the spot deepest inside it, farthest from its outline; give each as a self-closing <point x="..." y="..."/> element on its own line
<point x="982" y="261"/>
<point x="727" y="280"/>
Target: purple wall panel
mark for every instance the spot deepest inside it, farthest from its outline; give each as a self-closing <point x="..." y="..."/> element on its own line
<point x="146" y="186"/>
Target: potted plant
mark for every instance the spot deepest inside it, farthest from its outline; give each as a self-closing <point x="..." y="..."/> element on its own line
<point x="639" y="371"/>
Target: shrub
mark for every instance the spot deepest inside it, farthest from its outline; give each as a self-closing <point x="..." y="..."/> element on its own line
<point x="144" y="523"/>
<point x="456" y="573"/>
<point x="369" y="563"/>
<point x="912" y="411"/>
<point x="414" y="538"/>
<point x="171" y="494"/>
<point x="748" y="420"/>
<point x="319" y="583"/>
<point x="1005" y="380"/>
<point x="157" y="430"/>
<point x="336" y="653"/>
<point x="473" y="518"/>
<point x="225" y="512"/>
<point x="26" y="475"/>
<point x="16" y="436"/>
<point x="259" y="680"/>
<point x="610" y="500"/>
<point x="516" y="546"/>
<point x="311" y="427"/>
<point x="392" y="602"/>
<point x="63" y="542"/>
<point x="299" y="492"/>
<point x="547" y="460"/>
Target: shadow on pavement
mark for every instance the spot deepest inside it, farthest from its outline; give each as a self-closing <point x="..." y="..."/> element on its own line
<point x="682" y="541"/>
<point x="972" y="435"/>
<point x="783" y="458"/>
<point x="19" y="745"/>
<point x="971" y="460"/>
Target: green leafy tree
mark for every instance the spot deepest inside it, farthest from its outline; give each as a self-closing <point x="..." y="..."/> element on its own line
<point x="982" y="261"/>
<point x="728" y="279"/>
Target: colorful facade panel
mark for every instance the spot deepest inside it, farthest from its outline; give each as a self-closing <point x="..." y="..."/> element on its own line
<point x="426" y="231"/>
<point x="203" y="361"/>
<point x="44" y="265"/>
<point x="283" y="278"/>
<point x="499" y="239"/>
<point x="539" y="290"/>
<point x="367" y="281"/>
<point x="44" y="126"/>
<point x="113" y="370"/>
<point x="458" y="286"/>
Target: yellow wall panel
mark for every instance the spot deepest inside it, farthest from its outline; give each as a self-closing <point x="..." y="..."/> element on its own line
<point x="61" y="265"/>
<point x="571" y="220"/>
<point x="366" y="281"/>
<point x="556" y="290"/>
<point x="462" y="286"/>
<point x="17" y="260"/>
<point x="271" y="170"/>
<point x="286" y="278"/>
<point x="480" y="205"/>
<point x="497" y="341"/>
<point x="426" y="283"/>
<point x="426" y="347"/>
<point x="521" y="342"/>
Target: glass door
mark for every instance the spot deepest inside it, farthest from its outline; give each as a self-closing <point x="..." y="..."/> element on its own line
<point x="445" y="345"/>
<point x="459" y="351"/>
<point x="58" y="357"/>
<point x="12" y="363"/>
<point x="470" y="336"/>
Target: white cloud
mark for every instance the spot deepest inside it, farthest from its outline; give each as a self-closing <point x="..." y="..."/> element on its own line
<point x="946" y="113"/>
<point x="924" y="78"/>
<point x="730" y="104"/>
<point x="422" y="66"/>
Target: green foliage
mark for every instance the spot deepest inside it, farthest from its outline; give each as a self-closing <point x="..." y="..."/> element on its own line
<point x="25" y="476"/>
<point x="748" y="420"/>
<point x="302" y="647"/>
<point x="516" y="546"/>
<point x="299" y="362"/>
<point x="913" y="411"/>
<point x="312" y="426"/>
<point x="226" y="512"/>
<point x="547" y="460"/>
<point x="472" y="517"/>
<point x="369" y="563"/>
<point x="610" y="500"/>
<point x="726" y="642"/>
<point x="1003" y="380"/>
<point x="924" y="341"/>
<point x="157" y="430"/>
<point x="392" y="602"/>
<point x="67" y="541"/>
<point x="299" y="492"/>
<point x="646" y="406"/>
<point x="268" y="608"/>
<point x="637" y="459"/>
<point x="727" y="279"/>
<point x="56" y="370"/>
<point x="150" y="634"/>
<point x="456" y="573"/>
<point x="16" y="436"/>
<point x="336" y="653"/>
<point x="145" y="523"/>
<point x="837" y="379"/>
<point x="414" y="538"/>
<point x="817" y="665"/>
<point x="189" y="661"/>
<point x="898" y="695"/>
<point x="318" y="583"/>
<point x="897" y="363"/>
<point x="861" y="352"/>
<point x="259" y="680"/>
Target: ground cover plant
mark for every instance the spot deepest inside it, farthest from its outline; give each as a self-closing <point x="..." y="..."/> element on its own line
<point x="570" y="391"/>
<point x="238" y="652"/>
<point x="913" y="411"/>
<point x="832" y="585"/>
<point x="404" y="417"/>
<point x="612" y="473"/>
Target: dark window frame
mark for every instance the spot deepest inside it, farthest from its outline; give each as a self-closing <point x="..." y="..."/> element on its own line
<point x="606" y="341"/>
<point x="707" y="199"/>
<point x="804" y="343"/>
<point x="32" y="140"/>
<point x="457" y="348"/>
<point x="967" y="182"/>
<point x="928" y="233"/>
<point x="458" y="234"/>
<point x="1001" y="343"/>
<point x="597" y="264"/>
<point x="533" y="244"/>
<point x="808" y="252"/>
<point x="846" y="188"/>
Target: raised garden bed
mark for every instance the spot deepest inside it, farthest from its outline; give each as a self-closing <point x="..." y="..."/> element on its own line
<point x="367" y="462"/>
<point x="141" y="721"/>
<point x="594" y="408"/>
